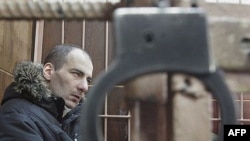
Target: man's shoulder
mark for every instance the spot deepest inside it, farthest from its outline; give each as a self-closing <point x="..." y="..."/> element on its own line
<point x="20" y="106"/>
<point x="25" y="109"/>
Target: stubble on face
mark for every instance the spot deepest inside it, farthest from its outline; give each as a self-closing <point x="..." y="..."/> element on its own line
<point x="65" y="81"/>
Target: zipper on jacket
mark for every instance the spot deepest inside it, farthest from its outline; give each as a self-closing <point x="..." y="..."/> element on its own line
<point x="75" y="137"/>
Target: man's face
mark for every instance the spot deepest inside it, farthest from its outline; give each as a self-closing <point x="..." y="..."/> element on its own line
<point x="71" y="81"/>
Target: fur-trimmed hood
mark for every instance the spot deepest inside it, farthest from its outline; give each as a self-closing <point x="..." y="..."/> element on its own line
<point x="30" y="82"/>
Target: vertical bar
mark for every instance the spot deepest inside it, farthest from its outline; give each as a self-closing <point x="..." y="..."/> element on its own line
<point x="38" y="41"/>
<point x="105" y="118"/>
<point x="241" y="106"/>
<point x="83" y="34"/>
<point x="63" y="31"/>
<point x="129" y="126"/>
<point x="106" y="67"/>
<point x="83" y="31"/>
<point x="106" y="45"/>
<point x="137" y="122"/>
<point x="169" y="108"/>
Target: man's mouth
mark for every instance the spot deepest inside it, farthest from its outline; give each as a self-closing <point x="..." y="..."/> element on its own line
<point x="77" y="97"/>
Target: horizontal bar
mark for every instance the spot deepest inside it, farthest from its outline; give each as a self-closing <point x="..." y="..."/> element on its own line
<point x="21" y="10"/>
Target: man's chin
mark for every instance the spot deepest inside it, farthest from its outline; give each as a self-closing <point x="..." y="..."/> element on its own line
<point x="71" y="105"/>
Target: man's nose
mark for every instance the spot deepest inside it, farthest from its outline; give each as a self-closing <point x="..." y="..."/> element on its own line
<point x="83" y="86"/>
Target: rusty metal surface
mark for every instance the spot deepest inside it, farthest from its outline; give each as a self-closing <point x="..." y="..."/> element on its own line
<point x="230" y="42"/>
<point x="224" y="9"/>
<point x="191" y="109"/>
<point x="238" y="82"/>
<point x="229" y="33"/>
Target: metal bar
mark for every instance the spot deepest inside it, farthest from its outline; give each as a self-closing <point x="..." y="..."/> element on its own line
<point x="38" y="41"/>
<point x="76" y="10"/>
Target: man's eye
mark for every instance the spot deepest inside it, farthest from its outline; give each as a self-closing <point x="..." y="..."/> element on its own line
<point x="76" y="74"/>
<point x="89" y="80"/>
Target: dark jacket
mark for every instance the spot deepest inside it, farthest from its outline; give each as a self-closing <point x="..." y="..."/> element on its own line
<point x="71" y="124"/>
<point x="28" y="111"/>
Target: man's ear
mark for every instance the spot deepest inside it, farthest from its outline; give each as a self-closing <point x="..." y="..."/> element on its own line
<point x="48" y="70"/>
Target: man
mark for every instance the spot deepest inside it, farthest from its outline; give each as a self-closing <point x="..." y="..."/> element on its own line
<point x="38" y="105"/>
<point x="70" y="82"/>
